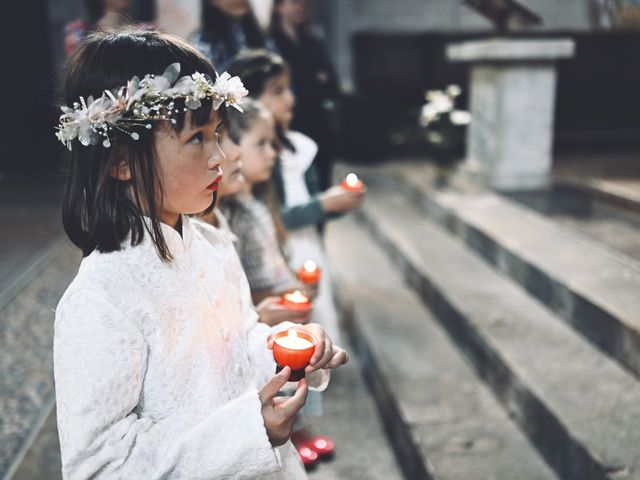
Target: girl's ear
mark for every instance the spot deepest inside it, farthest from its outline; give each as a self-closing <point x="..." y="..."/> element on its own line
<point x="119" y="169"/>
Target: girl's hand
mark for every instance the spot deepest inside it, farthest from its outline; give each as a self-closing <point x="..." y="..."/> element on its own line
<point x="336" y="199"/>
<point x="326" y="354"/>
<point x="280" y="412"/>
<point x="271" y="312"/>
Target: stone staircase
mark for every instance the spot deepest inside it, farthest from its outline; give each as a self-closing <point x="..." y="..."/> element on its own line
<point x="510" y="350"/>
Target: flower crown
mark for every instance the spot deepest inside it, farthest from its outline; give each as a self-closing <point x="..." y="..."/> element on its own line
<point x="142" y="101"/>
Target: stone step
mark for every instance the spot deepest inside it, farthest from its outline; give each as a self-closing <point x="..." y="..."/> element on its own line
<point x="592" y="287"/>
<point x="440" y="418"/>
<point x="26" y="356"/>
<point x="579" y="407"/>
<point x="623" y="193"/>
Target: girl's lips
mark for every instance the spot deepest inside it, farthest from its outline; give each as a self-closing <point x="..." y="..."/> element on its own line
<point x="215" y="184"/>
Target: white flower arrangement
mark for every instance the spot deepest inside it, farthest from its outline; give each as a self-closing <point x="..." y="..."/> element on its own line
<point x="143" y="101"/>
<point x="440" y="103"/>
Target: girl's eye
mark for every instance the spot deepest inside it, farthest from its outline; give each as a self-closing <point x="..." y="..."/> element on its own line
<point x="197" y="138"/>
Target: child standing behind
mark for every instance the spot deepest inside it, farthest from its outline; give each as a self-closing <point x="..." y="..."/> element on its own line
<point x="161" y="368"/>
<point x="252" y="212"/>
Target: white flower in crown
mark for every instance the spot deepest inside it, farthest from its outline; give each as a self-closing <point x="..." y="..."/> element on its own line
<point x="142" y="101"/>
<point x="229" y="90"/>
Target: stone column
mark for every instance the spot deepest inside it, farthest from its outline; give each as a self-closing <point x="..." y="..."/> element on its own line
<point x="512" y="87"/>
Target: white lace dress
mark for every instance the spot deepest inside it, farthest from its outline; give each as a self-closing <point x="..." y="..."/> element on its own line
<point x="157" y="366"/>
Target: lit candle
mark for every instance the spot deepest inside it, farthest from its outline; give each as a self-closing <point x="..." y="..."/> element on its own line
<point x="309" y="273"/>
<point x="352" y="183"/>
<point x="296" y="301"/>
<point x="293" y="348"/>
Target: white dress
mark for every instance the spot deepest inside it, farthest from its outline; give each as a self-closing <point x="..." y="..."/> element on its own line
<point x="158" y="365"/>
<point x="306" y="243"/>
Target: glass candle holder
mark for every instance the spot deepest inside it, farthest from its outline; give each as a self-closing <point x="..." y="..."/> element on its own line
<point x="293" y="348"/>
<point x="309" y="273"/>
<point x="296" y="301"/>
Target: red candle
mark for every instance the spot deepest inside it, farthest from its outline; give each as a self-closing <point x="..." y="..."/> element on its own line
<point x="296" y="301"/>
<point x="309" y="273"/>
<point x="293" y="348"/>
<point x="352" y="183"/>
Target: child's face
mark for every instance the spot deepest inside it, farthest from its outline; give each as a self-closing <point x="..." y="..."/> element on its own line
<point x="293" y="11"/>
<point x="279" y="99"/>
<point x="232" y="178"/>
<point x="188" y="165"/>
<point x="258" y="154"/>
<point x="233" y="8"/>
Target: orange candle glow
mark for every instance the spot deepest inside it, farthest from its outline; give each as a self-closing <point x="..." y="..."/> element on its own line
<point x="296" y="301"/>
<point x="309" y="273"/>
<point x="293" y="348"/>
<point x="352" y="183"/>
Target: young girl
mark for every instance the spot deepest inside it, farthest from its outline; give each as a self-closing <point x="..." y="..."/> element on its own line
<point x="161" y="369"/>
<point x="266" y="76"/>
<point x="251" y="212"/>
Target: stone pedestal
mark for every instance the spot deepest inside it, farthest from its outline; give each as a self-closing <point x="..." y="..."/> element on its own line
<point x="512" y="88"/>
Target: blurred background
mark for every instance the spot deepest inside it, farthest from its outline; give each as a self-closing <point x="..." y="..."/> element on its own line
<point x="489" y="285"/>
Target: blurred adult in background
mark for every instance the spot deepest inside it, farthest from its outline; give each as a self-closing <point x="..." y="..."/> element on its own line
<point x="313" y="78"/>
<point x="103" y="15"/>
<point x="228" y="27"/>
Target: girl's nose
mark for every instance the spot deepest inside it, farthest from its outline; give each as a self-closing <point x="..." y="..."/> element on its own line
<point x="216" y="158"/>
<point x="271" y="152"/>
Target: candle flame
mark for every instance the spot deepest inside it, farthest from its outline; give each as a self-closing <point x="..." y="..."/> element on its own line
<point x="352" y="180"/>
<point x="296" y="297"/>
<point x="310" y="266"/>
<point x="292" y="333"/>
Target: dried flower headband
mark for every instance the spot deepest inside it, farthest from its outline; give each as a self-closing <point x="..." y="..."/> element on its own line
<point x="142" y="101"/>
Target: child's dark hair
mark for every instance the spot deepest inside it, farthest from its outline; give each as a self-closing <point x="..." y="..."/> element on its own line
<point x="256" y="68"/>
<point x="238" y="124"/>
<point x="218" y="25"/>
<point x="99" y="211"/>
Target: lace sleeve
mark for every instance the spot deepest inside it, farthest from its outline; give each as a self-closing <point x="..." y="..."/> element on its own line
<point x="99" y="364"/>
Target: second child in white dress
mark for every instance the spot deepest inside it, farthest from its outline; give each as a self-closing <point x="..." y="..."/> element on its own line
<point x="161" y="368"/>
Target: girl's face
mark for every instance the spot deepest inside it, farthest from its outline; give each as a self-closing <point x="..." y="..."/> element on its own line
<point x="258" y="154"/>
<point x="233" y="8"/>
<point x="188" y="165"/>
<point x="293" y="12"/>
<point x="279" y="99"/>
<point x="232" y="178"/>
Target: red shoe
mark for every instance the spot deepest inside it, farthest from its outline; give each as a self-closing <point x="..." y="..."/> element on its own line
<point x="322" y="445"/>
<point x="308" y="456"/>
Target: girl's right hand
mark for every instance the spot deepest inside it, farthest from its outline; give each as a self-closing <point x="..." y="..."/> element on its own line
<point x="337" y="200"/>
<point x="271" y="312"/>
<point x="279" y="412"/>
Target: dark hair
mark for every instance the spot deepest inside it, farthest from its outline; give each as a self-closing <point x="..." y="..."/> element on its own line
<point x="256" y="68"/>
<point x="217" y="26"/>
<point x="238" y="124"/>
<point x="98" y="212"/>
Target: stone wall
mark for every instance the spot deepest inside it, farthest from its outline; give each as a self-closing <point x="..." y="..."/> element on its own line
<point x="342" y="18"/>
